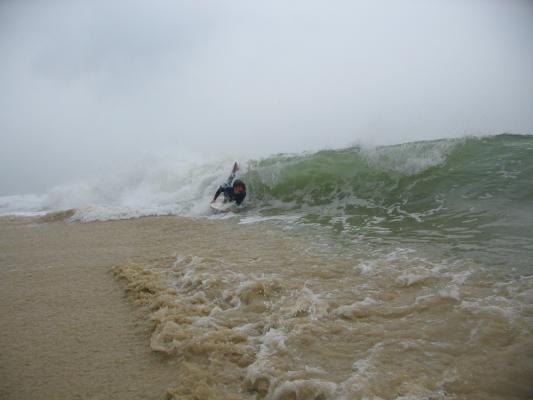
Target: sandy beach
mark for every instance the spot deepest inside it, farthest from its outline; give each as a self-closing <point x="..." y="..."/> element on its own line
<point x="68" y="330"/>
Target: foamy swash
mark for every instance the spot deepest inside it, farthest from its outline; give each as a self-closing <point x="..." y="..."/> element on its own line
<point x="270" y="314"/>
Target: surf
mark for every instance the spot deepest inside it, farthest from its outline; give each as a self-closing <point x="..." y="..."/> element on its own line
<point x="446" y="181"/>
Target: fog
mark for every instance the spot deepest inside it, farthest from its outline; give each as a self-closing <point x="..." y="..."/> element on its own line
<point x="88" y="85"/>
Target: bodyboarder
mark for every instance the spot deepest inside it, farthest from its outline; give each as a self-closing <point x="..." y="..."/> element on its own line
<point x="233" y="190"/>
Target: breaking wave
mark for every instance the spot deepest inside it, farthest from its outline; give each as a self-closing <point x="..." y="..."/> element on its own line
<point x="470" y="192"/>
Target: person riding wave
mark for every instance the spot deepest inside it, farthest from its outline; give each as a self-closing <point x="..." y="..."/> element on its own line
<point x="235" y="191"/>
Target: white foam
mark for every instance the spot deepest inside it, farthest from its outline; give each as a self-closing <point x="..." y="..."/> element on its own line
<point x="264" y="366"/>
<point x="366" y="267"/>
<point x="459" y="278"/>
<point x="357" y="309"/>
<point x="181" y="185"/>
<point x="450" y="293"/>
<point x="409" y="158"/>
<point x="408" y="279"/>
<point x="256" y="219"/>
<point x="27" y="205"/>
<point x="310" y="304"/>
<point x="23" y="214"/>
<point x="304" y="389"/>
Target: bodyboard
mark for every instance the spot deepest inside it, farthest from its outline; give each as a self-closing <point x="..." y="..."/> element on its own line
<point x="220" y="206"/>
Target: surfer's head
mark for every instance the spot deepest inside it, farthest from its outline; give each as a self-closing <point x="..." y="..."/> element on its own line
<point x="238" y="186"/>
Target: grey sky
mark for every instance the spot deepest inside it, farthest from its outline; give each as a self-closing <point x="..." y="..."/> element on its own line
<point x="88" y="84"/>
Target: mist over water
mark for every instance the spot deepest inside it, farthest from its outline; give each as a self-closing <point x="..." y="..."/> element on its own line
<point x="85" y="87"/>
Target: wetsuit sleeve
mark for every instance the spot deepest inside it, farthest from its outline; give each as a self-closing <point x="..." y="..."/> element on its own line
<point x="230" y="179"/>
<point x="220" y="190"/>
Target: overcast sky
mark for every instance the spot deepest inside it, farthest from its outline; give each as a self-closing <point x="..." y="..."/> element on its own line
<point x="87" y="84"/>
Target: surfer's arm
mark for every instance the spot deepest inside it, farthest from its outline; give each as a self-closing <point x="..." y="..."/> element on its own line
<point x="230" y="179"/>
<point x="220" y="190"/>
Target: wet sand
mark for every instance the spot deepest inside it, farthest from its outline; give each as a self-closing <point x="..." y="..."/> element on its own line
<point x="68" y="330"/>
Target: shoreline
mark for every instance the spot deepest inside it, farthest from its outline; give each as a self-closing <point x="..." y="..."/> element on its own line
<point x="69" y="329"/>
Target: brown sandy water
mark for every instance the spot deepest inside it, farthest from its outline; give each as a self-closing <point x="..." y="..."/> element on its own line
<point x="251" y="312"/>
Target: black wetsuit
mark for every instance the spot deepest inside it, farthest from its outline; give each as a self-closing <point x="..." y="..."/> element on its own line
<point x="229" y="193"/>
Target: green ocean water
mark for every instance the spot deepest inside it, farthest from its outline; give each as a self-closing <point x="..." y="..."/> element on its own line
<point x="471" y="197"/>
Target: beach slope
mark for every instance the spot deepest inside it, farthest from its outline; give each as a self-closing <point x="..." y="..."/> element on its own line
<point x="68" y="332"/>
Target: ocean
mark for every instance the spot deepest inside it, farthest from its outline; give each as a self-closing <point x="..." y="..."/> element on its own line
<point x="392" y="272"/>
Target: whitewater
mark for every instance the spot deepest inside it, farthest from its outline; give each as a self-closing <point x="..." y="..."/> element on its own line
<point x="392" y="272"/>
